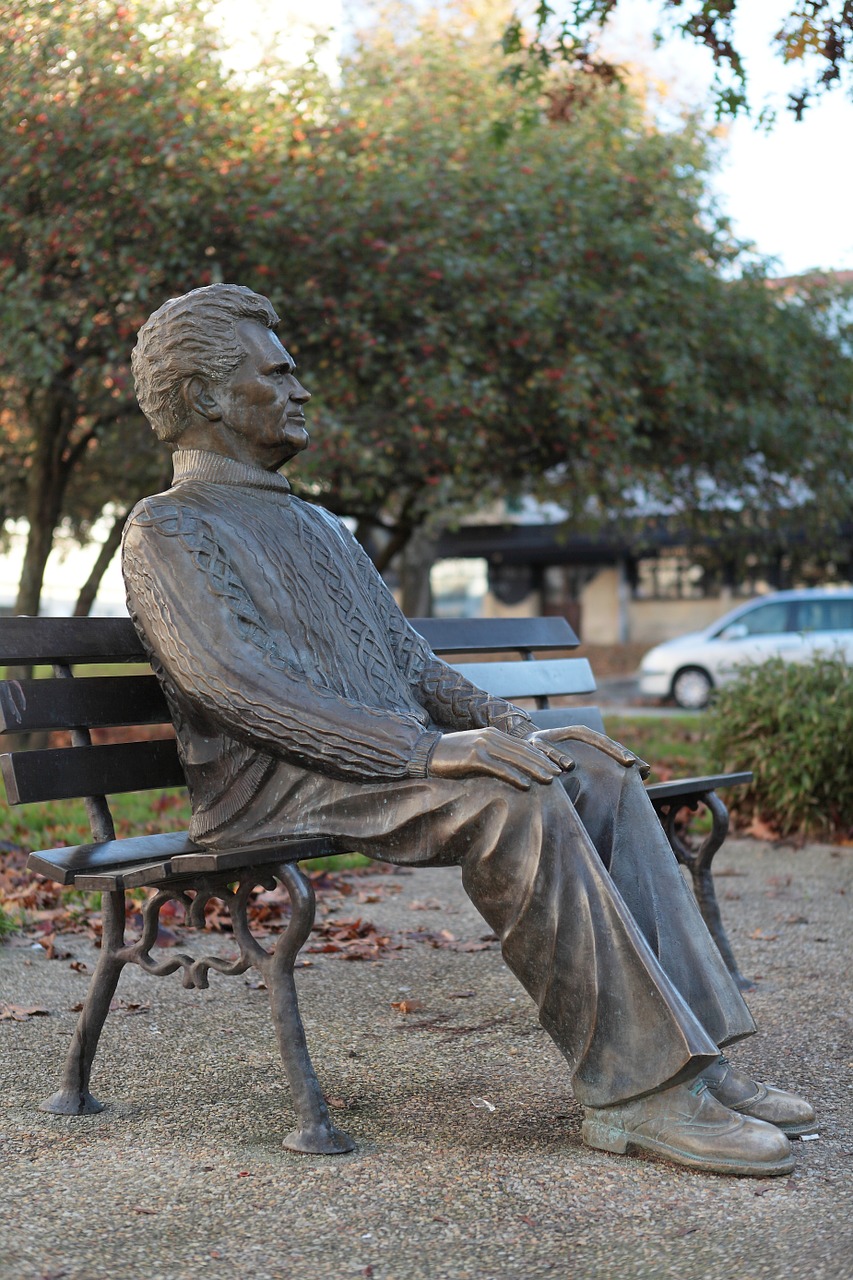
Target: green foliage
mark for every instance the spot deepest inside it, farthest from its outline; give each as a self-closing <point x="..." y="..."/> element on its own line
<point x="792" y="724"/>
<point x="120" y="131"/>
<point x="61" y="822"/>
<point x="559" y="315"/>
<point x="815" y="35"/>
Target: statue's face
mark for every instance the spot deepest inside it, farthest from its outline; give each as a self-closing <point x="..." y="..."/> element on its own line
<point x="262" y="401"/>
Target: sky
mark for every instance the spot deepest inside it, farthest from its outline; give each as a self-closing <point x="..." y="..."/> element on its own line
<point x="788" y="190"/>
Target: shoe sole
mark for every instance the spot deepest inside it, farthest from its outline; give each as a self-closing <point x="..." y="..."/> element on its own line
<point x="794" y="1130"/>
<point x="606" y="1138"/>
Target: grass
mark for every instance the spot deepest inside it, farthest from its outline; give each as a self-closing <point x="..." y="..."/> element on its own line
<point x="675" y="746"/>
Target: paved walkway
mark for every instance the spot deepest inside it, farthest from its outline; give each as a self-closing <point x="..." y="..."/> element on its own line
<point x="469" y="1163"/>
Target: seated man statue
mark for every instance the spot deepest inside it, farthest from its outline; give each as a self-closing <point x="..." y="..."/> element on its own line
<point x="305" y="704"/>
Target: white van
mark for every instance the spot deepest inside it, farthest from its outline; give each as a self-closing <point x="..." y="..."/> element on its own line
<point x="793" y="625"/>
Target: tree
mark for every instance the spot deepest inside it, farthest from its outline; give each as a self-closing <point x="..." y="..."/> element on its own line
<point x="560" y="315"/>
<point x="127" y="162"/>
<point x="816" y="35"/>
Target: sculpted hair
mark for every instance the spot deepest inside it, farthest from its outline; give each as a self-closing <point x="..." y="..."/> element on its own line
<point x="194" y="335"/>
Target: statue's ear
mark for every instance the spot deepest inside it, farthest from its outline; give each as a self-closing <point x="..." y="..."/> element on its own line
<point x="201" y="400"/>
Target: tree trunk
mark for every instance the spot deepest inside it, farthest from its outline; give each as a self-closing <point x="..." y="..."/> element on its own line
<point x="51" y="463"/>
<point x="109" y="547"/>
<point x="415" y="563"/>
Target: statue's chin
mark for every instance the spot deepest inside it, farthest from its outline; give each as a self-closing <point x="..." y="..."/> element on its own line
<point x="293" y="446"/>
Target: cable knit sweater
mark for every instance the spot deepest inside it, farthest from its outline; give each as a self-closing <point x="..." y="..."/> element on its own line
<point x="277" y="643"/>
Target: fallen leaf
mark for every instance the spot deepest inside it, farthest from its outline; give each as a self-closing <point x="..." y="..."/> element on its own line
<point x="407" y="1006"/>
<point x="763" y="937"/>
<point x="21" y="1013"/>
<point x="54" y="952"/>
<point x="128" y="1006"/>
<point x="761" y="830"/>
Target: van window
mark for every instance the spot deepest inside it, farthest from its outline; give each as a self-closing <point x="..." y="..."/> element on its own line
<point x="766" y="619"/>
<point x="824" y="615"/>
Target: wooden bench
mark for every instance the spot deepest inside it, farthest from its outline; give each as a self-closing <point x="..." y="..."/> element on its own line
<point x="175" y="868"/>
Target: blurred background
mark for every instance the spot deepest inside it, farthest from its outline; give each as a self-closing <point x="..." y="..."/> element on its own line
<point x="578" y="343"/>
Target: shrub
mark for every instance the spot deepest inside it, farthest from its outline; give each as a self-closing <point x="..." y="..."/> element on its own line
<point x="792" y="725"/>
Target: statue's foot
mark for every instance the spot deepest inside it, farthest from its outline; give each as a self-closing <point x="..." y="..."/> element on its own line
<point x="687" y="1125"/>
<point x="739" y="1092"/>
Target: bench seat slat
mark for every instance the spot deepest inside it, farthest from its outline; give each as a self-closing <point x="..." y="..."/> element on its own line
<point x="208" y="860"/>
<point x="31" y="641"/>
<point x="493" y="635"/>
<point x="108" y="881"/>
<point x="27" y="705"/>
<point x="65" y="773"/>
<point x="547" y="677"/>
<point x="137" y="856"/>
<point x="64" y="864"/>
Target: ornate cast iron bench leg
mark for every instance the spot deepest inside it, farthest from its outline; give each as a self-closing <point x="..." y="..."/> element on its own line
<point x="73" y="1097"/>
<point x="315" y="1133"/>
<point x="698" y="863"/>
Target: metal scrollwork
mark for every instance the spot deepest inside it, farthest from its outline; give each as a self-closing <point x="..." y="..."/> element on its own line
<point x="203" y="889"/>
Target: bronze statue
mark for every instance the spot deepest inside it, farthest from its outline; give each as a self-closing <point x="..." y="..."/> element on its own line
<point x="305" y="704"/>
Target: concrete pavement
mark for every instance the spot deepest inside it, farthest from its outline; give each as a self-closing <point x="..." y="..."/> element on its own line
<point x="469" y="1163"/>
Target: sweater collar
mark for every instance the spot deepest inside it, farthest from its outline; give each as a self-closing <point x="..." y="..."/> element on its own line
<point x="215" y="468"/>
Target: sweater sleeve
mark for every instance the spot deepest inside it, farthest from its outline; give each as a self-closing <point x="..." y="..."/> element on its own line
<point x="210" y="636"/>
<point x="453" y="702"/>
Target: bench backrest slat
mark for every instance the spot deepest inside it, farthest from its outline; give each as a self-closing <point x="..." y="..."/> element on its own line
<point x="31" y="641"/>
<point x="493" y="635"/>
<point x="547" y="677"/>
<point x="28" y="705"/>
<point x="65" y="773"/>
<point x="559" y="717"/>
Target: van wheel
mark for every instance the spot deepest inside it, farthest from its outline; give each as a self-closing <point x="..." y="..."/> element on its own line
<point x="691" y="688"/>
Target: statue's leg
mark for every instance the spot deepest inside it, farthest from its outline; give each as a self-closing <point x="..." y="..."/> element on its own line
<point x="73" y="1097"/>
<point x="570" y="940"/>
<point x="614" y="808"/>
<point x="531" y="869"/>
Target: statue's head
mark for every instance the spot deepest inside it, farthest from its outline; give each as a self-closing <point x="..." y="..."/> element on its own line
<point x="194" y="336"/>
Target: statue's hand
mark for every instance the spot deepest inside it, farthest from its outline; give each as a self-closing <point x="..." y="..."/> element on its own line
<point x="490" y="752"/>
<point x="579" y="733"/>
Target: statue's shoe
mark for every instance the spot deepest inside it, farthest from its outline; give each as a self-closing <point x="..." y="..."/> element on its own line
<point x="687" y="1125"/>
<point x="739" y="1092"/>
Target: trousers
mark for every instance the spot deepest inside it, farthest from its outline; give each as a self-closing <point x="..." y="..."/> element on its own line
<point x="579" y="883"/>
